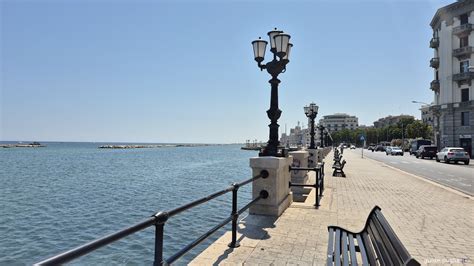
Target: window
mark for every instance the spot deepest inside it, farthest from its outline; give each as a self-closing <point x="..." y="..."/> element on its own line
<point x="464" y="41"/>
<point x="465" y="95"/>
<point x="464" y="19"/>
<point x="464" y="118"/>
<point x="464" y="66"/>
<point x="437" y="76"/>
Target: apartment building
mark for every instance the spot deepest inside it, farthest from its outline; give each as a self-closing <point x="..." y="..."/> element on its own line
<point x="453" y="42"/>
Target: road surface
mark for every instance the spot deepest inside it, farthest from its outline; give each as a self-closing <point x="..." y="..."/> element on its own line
<point x="457" y="176"/>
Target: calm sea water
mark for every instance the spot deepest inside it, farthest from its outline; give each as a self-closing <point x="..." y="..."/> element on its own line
<point x="66" y="194"/>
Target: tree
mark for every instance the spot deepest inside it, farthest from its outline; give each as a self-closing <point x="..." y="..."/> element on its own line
<point x="418" y="129"/>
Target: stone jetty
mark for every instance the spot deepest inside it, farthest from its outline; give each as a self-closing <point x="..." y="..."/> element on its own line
<point x="21" y="145"/>
<point x="149" y="146"/>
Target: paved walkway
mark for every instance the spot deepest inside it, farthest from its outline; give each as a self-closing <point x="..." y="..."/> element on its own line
<point x="435" y="223"/>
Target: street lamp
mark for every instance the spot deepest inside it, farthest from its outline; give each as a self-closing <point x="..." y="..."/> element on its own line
<point x="311" y="112"/>
<point x="280" y="46"/>
<point x="420" y="102"/>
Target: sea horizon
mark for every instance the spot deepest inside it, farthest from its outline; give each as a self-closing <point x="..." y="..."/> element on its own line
<point x="115" y="142"/>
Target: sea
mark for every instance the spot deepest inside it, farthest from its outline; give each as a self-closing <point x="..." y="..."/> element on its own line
<point x="64" y="195"/>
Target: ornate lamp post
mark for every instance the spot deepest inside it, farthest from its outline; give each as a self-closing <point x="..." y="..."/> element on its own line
<point x="311" y="112"/>
<point x="280" y="46"/>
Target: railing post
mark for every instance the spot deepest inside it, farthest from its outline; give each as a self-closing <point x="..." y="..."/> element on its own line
<point x="321" y="189"/>
<point x="235" y="216"/>
<point x="161" y="219"/>
<point x="316" y="204"/>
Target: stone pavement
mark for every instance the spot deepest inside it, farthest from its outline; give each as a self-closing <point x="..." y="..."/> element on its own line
<point x="434" y="222"/>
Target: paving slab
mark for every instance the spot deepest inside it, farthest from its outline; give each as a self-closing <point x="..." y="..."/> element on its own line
<point x="435" y="223"/>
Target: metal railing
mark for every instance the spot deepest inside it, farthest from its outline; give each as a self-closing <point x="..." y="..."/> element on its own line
<point x="159" y="220"/>
<point x="318" y="184"/>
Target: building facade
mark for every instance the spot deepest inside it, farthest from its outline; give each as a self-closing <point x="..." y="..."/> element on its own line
<point x="427" y="116"/>
<point x="298" y="137"/>
<point x="339" y="121"/>
<point x="390" y="120"/>
<point x="453" y="45"/>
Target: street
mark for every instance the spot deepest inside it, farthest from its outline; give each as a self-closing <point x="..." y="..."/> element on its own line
<point x="457" y="176"/>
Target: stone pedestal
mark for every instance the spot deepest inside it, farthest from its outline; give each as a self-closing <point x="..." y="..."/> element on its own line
<point x="276" y="184"/>
<point x="300" y="159"/>
<point x="313" y="158"/>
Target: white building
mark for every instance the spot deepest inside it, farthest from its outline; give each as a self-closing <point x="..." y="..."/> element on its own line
<point x="453" y="43"/>
<point x="427" y="116"/>
<point x="297" y="137"/>
<point x="339" y="121"/>
<point x="390" y="120"/>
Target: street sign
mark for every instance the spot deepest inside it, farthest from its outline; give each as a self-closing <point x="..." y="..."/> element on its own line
<point x="362" y="138"/>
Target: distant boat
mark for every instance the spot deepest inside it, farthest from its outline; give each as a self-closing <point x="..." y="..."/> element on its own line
<point x="254" y="148"/>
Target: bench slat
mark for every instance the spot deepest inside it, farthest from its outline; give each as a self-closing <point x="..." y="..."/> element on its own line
<point x="351" y="240"/>
<point x="362" y="249"/>
<point x="330" y="257"/>
<point x="345" y="257"/>
<point x="378" y="244"/>
<point x="387" y="245"/>
<point x="401" y="250"/>
<point x="369" y="249"/>
<point x="337" y="252"/>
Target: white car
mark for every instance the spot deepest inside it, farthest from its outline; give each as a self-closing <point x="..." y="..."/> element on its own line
<point x="453" y="154"/>
<point x="396" y="151"/>
<point x="388" y="150"/>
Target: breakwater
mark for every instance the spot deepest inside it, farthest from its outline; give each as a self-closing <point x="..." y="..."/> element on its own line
<point x="20" y="145"/>
<point x="150" y="146"/>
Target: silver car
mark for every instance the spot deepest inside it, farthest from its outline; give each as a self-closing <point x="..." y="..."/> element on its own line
<point x="453" y="154"/>
<point x="396" y="151"/>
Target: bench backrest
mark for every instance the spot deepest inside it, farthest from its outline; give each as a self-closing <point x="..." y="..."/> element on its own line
<point x="381" y="242"/>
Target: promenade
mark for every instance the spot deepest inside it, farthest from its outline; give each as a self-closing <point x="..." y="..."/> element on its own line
<point x="435" y="223"/>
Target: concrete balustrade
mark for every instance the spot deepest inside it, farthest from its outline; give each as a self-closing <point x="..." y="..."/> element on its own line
<point x="276" y="184"/>
<point x="313" y="157"/>
<point x="300" y="159"/>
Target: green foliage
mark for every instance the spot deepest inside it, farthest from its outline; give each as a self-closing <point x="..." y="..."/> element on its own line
<point x="418" y="129"/>
<point x="406" y="128"/>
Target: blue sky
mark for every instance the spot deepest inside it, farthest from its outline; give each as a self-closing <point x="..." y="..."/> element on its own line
<point x="183" y="71"/>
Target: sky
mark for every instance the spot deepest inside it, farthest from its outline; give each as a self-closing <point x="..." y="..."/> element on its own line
<point x="183" y="71"/>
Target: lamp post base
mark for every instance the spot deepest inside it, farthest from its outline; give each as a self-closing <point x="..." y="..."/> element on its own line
<point x="280" y="152"/>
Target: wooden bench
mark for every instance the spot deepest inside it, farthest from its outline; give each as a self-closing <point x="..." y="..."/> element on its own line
<point x="339" y="168"/>
<point x="376" y="244"/>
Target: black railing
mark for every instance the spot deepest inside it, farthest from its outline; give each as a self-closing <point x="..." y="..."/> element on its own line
<point x="159" y="220"/>
<point x="318" y="184"/>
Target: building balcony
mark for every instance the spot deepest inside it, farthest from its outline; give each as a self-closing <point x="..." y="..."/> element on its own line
<point x="463" y="52"/>
<point x="465" y="77"/>
<point x="434" y="86"/>
<point x="464" y="29"/>
<point x="434" y="62"/>
<point x="434" y="43"/>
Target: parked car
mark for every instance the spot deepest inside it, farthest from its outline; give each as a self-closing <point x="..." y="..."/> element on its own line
<point x="453" y="154"/>
<point x="415" y="145"/>
<point x="426" y="151"/>
<point x="371" y="148"/>
<point x="353" y="147"/>
<point x="396" y="151"/>
<point x="379" y="148"/>
<point x="388" y="150"/>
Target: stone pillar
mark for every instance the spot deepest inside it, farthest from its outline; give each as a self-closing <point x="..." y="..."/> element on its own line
<point x="276" y="184"/>
<point x="300" y="159"/>
<point x="313" y="157"/>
